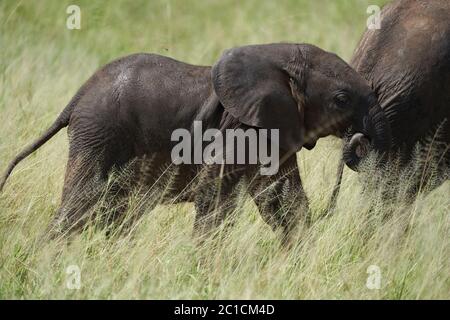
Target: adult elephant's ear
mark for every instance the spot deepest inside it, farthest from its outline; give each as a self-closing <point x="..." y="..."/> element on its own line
<point x="262" y="86"/>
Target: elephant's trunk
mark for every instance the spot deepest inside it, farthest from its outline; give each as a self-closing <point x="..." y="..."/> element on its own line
<point x="376" y="135"/>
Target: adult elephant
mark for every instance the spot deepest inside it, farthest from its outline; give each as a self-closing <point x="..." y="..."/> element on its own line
<point x="407" y="63"/>
<point x="129" y="109"/>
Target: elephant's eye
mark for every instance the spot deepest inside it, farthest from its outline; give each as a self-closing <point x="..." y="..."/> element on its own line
<point x="341" y="100"/>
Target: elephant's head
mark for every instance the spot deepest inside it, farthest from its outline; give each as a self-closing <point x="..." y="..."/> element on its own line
<point x="303" y="91"/>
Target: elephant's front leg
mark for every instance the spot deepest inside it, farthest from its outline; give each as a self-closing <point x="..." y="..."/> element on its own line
<point x="215" y="198"/>
<point x="281" y="200"/>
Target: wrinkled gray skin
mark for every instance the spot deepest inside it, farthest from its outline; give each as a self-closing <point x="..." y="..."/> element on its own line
<point x="407" y="63"/>
<point x="126" y="112"/>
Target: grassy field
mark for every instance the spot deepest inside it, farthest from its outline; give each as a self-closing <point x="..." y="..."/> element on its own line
<point x="42" y="64"/>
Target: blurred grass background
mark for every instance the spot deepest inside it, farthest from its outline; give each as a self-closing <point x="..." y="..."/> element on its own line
<point x="42" y="64"/>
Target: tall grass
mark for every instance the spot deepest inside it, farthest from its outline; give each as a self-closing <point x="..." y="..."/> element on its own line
<point x="42" y="64"/>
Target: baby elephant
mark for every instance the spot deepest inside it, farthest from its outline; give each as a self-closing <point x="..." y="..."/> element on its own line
<point x="125" y="115"/>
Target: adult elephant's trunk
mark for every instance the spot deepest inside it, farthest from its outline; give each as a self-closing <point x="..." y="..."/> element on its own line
<point x="376" y="135"/>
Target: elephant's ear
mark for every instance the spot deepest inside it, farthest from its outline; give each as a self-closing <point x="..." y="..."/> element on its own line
<point x="262" y="86"/>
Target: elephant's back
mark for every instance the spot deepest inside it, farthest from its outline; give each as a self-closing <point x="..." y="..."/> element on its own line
<point x="407" y="62"/>
<point x="163" y="95"/>
<point x="141" y="95"/>
<point x="411" y="33"/>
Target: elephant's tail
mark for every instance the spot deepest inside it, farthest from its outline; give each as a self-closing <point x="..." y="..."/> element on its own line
<point x="61" y="122"/>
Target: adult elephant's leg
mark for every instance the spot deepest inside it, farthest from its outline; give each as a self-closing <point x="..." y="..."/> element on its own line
<point x="281" y="199"/>
<point x="215" y="197"/>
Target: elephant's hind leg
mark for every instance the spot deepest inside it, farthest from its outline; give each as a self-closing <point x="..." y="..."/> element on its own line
<point x="126" y="182"/>
<point x="84" y="183"/>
